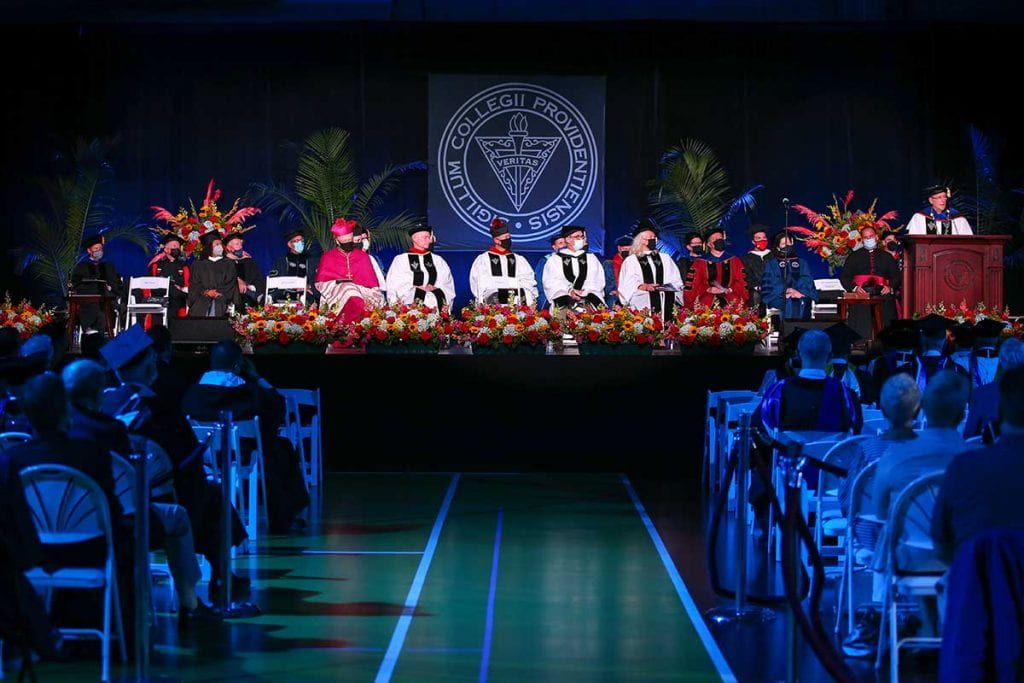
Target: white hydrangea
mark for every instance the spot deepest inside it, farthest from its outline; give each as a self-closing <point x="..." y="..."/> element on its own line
<point x="725" y="329"/>
<point x="705" y="333"/>
<point x="750" y="328"/>
<point x="422" y="326"/>
<point x="509" y="330"/>
<point x="686" y="329"/>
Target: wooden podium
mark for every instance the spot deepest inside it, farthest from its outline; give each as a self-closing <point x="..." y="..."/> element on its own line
<point x="952" y="268"/>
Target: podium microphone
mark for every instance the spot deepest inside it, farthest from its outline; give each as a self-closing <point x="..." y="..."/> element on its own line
<point x="785" y="205"/>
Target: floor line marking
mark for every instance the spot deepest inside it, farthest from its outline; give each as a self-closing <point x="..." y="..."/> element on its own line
<point x="387" y="665"/>
<point x="362" y="552"/>
<point x="485" y="661"/>
<point x="714" y="652"/>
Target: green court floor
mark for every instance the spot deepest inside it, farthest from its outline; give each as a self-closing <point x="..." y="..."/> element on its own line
<point x="454" y="577"/>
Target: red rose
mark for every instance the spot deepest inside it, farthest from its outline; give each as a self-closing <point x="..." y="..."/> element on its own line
<point x="262" y="337"/>
<point x="283" y="339"/>
<point x="614" y="337"/>
<point x="593" y="336"/>
<point x="851" y="243"/>
<point x="532" y="336"/>
<point x="739" y="337"/>
<point x="403" y="335"/>
<point x="507" y="339"/>
<point x="483" y="339"/>
<point x="425" y="336"/>
<point x="555" y="326"/>
<point x="841" y="250"/>
<point x="844" y="235"/>
<point x="716" y="340"/>
<point x="529" y="320"/>
<point x="381" y="335"/>
<point x="687" y="340"/>
<point x="308" y="335"/>
<point x="546" y="314"/>
<point x="492" y="324"/>
<point x="448" y="329"/>
<point x="641" y="339"/>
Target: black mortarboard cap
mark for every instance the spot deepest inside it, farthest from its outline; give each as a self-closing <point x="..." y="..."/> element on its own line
<point x="934" y="326"/>
<point x="646" y="224"/>
<point x="759" y="227"/>
<point x="624" y="241"/>
<point x="963" y="334"/>
<point x="936" y="188"/>
<point x="570" y="229"/>
<point x="900" y="334"/>
<point x="792" y="338"/>
<point x="233" y="236"/>
<point x="554" y="238"/>
<point x="989" y="329"/>
<point x="292" y="234"/>
<point x="690" y="235"/>
<point x="171" y="237"/>
<point x="208" y="238"/>
<point x="126" y="347"/>
<point x="92" y="241"/>
<point x="499" y="227"/>
<point x="842" y="337"/>
<point x="420" y="227"/>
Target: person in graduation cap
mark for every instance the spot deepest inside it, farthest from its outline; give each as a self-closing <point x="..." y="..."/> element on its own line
<point x="939" y="218"/>
<point x="985" y="360"/>
<point x="419" y="276"/>
<point x="693" y="245"/>
<point x="214" y="280"/>
<point x="557" y="244"/>
<point x="298" y="261"/>
<point x="346" y="278"/>
<point x="786" y="283"/>
<point x="718" y="277"/>
<point x="853" y="377"/>
<point x="649" y="279"/>
<point x="871" y="270"/>
<point x="500" y="276"/>
<point x="171" y="262"/>
<point x="250" y="279"/>
<point x="933" y="359"/>
<point x="900" y="343"/>
<point x="962" y="336"/>
<point x="983" y="413"/>
<point x="754" y="261"/>
<point x="612" y="268"/>
<point x="574" y="277"/>
<point x="94" y="275"/>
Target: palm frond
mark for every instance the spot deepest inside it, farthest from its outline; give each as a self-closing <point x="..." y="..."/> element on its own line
<point x="690" y="192"/>
<point x="392" y="232"/>
<point x="326" y="174"/>
<point x="744" y="203"/>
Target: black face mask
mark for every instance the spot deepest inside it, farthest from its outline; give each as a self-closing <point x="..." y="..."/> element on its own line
<point x="895" y="247"/>
<point x="346" y="246"/>
<point x="506" y="244"/>
<point x="624" y="253"/>
<point x="237" y="253"/>
<point x="652" y="244"/>
<point x="697" y="250"/>
<point x="718" y="245"/>
<point x="785" y="252"/>
<point x="175" y="253"/>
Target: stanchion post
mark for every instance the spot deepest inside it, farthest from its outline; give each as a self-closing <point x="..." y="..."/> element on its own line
<point x="224" y="463"/>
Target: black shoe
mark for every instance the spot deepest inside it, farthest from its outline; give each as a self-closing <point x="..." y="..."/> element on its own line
<point x="201" y="614"/>
<point x="863" y="640"/>
<point x="241" y="586"/>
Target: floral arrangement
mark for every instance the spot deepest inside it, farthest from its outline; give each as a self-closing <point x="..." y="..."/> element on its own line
<point x="498" y="325"/>
<point x="191" y="224"/>
<point x="284" y="324"/>
<point x="965" y="314"/>
<point x="398" y="324"/>
<point x="616" y="326"/>
<point x="715" y="326"/>
<point x="835" y="232"/>
<point x="24" y="317"/>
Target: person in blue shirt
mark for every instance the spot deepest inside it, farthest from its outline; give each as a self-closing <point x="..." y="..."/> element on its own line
<point x="557" y="244"/>
<point x="787" y="284"/>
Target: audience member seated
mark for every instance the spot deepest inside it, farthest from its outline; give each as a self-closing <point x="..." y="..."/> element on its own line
<point x="233" y="384"/>
<point x="983" y="414"/>
<point x="150" y="414"/>
<point x="14" y="372"/>
<point x="170" y="383"/>
<point x="981" y="488"/>
<point x="84" y="382"/>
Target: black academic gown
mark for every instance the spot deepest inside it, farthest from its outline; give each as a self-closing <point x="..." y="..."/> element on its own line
<point x="878" y="263"/>
<point x="220" y="275"/>
<point x="90" y="316"/>
<point x="286" y="490"/>
<point x="754" y="265"/>
<point x="247" y="270"/>
<point x="297" y="265"/>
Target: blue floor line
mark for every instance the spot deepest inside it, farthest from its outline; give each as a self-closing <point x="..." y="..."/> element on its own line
<point x="485" y="661"/>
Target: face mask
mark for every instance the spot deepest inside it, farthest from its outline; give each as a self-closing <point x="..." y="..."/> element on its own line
<point x="505" y="244"/>
<point x="718" y="245"/>
<point x="218" y="250"/>
<point x="895" y="247"/>
<point x="578" y="245"/>
<point x="697" y="249"/>
<point x="761" y="245"/>
<point x="366" y="245"/>
<point x="175" y="253"/>
<point x="652" y="244"/>
<point x="870" y="243"/>
<point x="624" y="253"/>
<point x="299" y="247"/>
<point x="97" y="255"/>
<point x="237" y="253"/>
<point x="785" y="251"/>
<point x="346" y="246"/>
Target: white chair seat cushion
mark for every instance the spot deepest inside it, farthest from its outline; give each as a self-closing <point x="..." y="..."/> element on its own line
<point x="74" y="577"/>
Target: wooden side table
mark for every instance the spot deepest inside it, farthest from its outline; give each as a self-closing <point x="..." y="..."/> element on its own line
<point x="875" y="302"/>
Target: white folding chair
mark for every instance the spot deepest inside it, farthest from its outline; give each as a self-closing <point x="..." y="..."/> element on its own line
<point x="286" y="283"/>
<point x="245" y="498"/>
<point x="875" y="426"/>
<point x="11" y="439"/>
<point x="828" y="519"/>
<point x="69" y="507"/>
<point x="912" y="567"/>
<point x="716" y="440"/>
<point x="975" y="441"/>
<point x="862" y="527"/>
<point x="136" y="307"/>
<point x="296" y="429"/>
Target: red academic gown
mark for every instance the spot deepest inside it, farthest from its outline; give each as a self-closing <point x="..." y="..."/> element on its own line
<point x="728" y="272"/>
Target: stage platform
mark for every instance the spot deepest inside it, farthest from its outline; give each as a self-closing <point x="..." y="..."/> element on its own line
<point x="511" y="412"/>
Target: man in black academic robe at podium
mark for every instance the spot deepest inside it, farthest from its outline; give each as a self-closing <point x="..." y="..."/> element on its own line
<point x="93" y="275"/>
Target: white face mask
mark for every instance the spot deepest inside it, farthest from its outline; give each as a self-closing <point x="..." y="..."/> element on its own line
<point x="97" y="255"/>
<point x="870" y="243"/>
<point x="366" y="245"/>
<point x="218" y="250"/>
<point x="578" y="245"/>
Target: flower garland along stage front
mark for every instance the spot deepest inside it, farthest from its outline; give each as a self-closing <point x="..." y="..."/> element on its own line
<point x="615" y="331"/>
<point x="190" y="224"/>
<point x="502" y="328"/>
<point x="714" y="329"/>
<point x="398" y="329"/>
<point x="24" y="317"/>
<point x="964" y="314"/>
<point x="285" y="328"/>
